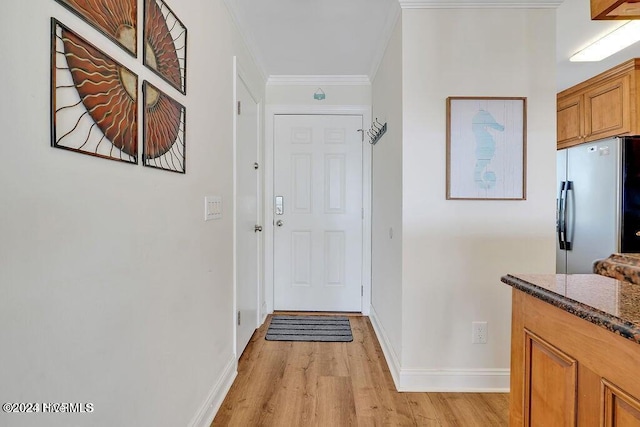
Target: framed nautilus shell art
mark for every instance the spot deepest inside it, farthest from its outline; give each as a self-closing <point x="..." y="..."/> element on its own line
<point x="117" y="19"/>
<point x="93" y="99"/>
<point x="164" y="130"/>
<point x="165" y="44"/>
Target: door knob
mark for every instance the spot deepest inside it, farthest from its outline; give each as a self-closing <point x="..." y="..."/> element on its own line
<point x="257" y="228"/>
<point x="279" y="223"/>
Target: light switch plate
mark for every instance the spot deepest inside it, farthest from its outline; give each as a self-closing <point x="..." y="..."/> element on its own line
<point x="212" y="208"/>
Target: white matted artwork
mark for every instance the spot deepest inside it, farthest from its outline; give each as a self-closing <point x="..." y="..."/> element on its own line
<point x="486" y="148"/>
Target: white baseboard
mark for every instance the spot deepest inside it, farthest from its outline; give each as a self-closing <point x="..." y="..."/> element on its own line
<point x="438" y="380"/>
<point x="218" y="392"/>
<point x="455" y="380"/>
<point x="389" y="353"/>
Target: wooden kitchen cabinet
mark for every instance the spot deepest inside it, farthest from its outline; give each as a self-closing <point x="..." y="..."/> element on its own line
<point x="607" y="109"/>
<point x="570" y="121"/>
<point x="551" y="378"/>
<point x="603" y="106"/>
<point x="615" y="9"/>
<point x="566" y="371"/>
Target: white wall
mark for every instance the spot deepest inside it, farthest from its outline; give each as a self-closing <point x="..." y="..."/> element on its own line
<point x="442" y="269"/>
<point x="386" y="233"/>
<point x="454" y="252"/>
<point x="114" y="289"/>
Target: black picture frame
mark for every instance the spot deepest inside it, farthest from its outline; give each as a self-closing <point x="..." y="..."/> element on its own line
<point x="164" y="123"/>
<point x="165" y="44"/>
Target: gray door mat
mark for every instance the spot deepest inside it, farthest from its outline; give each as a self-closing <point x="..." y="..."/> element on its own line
<point x="309" y="328"/>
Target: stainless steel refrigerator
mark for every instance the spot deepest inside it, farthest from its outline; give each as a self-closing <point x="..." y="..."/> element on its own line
<point x="598" y="204"/>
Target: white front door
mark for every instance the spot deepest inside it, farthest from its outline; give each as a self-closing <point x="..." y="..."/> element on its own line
<point x="318" y="213"/>
<point x="247" y="217"/>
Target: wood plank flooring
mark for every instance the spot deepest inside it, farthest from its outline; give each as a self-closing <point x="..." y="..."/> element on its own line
<point x="341" y="384"/>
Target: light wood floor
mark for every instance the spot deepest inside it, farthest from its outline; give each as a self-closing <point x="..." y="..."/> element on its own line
<point x="341" y="384"/>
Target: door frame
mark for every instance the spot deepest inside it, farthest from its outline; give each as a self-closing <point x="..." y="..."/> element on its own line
<point x="269" y="160"/>
<point x="240" y="75"/>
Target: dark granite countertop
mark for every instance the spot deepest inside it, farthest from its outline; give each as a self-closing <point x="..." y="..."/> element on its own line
<point x="620" y="266"/>
<point x="604" y="301"/>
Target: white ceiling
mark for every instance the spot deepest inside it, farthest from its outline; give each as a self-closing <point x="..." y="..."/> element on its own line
<point x="315" y="37"/>
<point x="347" y="37"/>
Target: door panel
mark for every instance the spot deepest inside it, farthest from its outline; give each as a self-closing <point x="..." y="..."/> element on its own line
<point x="570" y="115"/>
<point x="247" y="217"/>
<point x="550" y="384"/>
<point x="302" y="185"/>
<point x="334" y="256"/>
<point x="630" y="206"/>
<point x="607" y="109"/>
<point x="301" y="258"/>
<point x="619" y="408"/>
<point x="593" y="170"/>
<point x="561" y="178"/>
<point x="334" y="184"/>
<point x="318" y="244"/>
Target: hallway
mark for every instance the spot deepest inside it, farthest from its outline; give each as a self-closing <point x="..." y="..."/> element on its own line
<point x="120" y="280"/>
<point x="341" y="384"/>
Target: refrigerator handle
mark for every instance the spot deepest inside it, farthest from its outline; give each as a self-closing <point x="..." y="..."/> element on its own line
<point x="568" y="225"/>
<point x="560" y="218"/>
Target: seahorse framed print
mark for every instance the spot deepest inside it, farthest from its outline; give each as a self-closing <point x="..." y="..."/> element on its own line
<point x="486" y="148"/>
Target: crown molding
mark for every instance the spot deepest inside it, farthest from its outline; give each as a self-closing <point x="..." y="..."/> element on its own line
<point x="479" y="4"/>
<point x="320" y="80"/>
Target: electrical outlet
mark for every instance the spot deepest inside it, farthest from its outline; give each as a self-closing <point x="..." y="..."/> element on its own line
<point x="479" y="332"/>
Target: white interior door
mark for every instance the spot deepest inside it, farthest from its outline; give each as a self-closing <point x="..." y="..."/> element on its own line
<point x="318" y="213"/>
<point x="247" y="217"/>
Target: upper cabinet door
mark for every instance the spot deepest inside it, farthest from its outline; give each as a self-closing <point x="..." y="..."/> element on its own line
<point x="570" y="121"/>
<point x="608" y="109"/>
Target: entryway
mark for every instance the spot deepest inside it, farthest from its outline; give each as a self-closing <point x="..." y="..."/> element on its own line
<point x="318" y="212"/>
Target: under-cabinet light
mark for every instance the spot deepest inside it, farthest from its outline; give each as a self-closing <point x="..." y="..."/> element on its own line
<point x="615" y="41"/>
